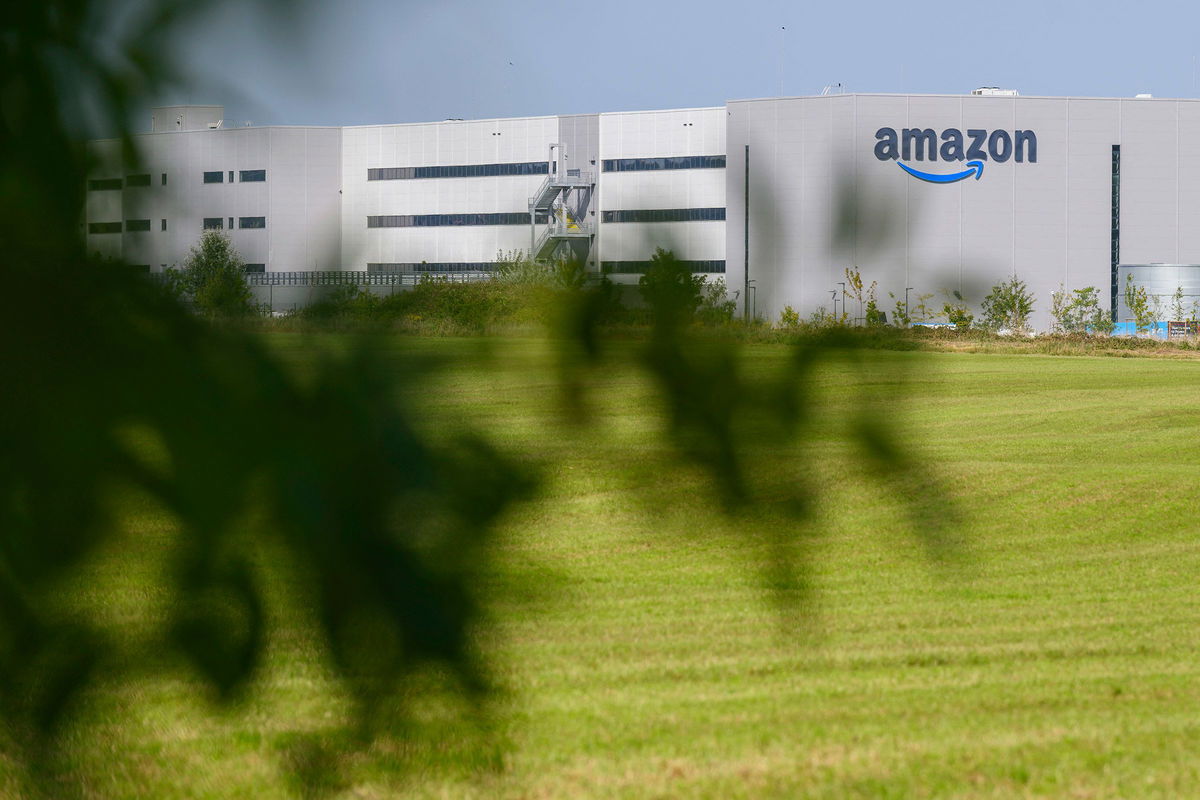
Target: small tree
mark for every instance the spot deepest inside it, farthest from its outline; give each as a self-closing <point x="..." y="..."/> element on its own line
<point x="874" y="316"/>
<point x="900" y="317"/>
<point x="922" y="311"/>
<point x="1145" y="310"/>
<point x="788" y="318"/>
<point x="1008" y="305"/>
<point x="1178" y="311"/>
<point x="855" y="282"/>
<point x="214" y="275"/>
<point x="1059" y="301"/>
<point x="1079" y="311"/>
<point x="955" y="309"/>
<point x="715" y="305"/>
<point x="958" y="316"/>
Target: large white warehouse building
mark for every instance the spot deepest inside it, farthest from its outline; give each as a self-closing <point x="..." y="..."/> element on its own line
<point x="924" y="194"/>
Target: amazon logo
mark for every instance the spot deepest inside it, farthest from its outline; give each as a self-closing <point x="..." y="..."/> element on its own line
<point x="976" y="147"/>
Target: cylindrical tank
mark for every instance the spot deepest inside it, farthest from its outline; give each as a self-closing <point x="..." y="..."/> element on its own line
<point x="1162" y="282"/>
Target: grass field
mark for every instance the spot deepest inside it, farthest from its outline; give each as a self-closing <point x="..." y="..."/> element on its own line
<point x="1052" y="653"/>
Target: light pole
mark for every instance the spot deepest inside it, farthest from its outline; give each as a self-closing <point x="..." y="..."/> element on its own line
<point x="906" y="288"/>
<point x="843" y="285"/>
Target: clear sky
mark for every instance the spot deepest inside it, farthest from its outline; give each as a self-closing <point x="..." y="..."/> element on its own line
<point x="369" y="61"/>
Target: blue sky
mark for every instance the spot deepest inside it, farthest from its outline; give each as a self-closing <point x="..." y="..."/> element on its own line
<point x="366" y="61"/>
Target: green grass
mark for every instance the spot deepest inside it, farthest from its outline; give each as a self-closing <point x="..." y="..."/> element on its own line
<point x="639" y="654"/>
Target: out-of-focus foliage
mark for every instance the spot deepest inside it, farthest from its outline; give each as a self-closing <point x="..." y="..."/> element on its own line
<point x="383" y="524"/>
<point x="670" y="289"/>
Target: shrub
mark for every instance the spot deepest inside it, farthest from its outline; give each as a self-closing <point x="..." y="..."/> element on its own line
<point x="214" y="277"/>
<point x="788" y="318"/>
<point x="1008" y="305"/>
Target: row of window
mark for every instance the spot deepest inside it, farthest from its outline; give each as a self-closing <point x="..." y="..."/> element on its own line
<point x="522" y="218"/>
<point x="131" y="226"/>
<point x="131" y="181"/>
<point x="640" y="267"/>
<point x="442" y="220"/>
<point x="664" y="215"/>
<point x="393" y="268"/>
<point x="459" y="171"/>
<point x="210" y="224"/>
<point x="218" y="223"/>
<point x="673" y="162"/>
<point x="244" y="176"/>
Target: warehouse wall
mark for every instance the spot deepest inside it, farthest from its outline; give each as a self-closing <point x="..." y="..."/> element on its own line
<point x="649" y="135"/>
<point x="439" y="144"/>
<point x="1047" y="222"/>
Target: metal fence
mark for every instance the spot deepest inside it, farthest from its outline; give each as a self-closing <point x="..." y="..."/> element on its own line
<point x="359" y="278"/>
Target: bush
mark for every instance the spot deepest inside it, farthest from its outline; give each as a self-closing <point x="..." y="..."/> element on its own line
<point x="1008" y="305"/>
<point x="214" y="277"/>
<point x="1079" y="311"/>
<point x="788" y="318"/>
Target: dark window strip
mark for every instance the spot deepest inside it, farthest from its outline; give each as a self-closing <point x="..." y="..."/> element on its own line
<point x="214" y="177"/>
<point x="459" y="171"/>
<point x="251" y="268"/>
<point x="401" y="267"/>
<point x="214" y="223"/>
<point x="137" y="180"/>
<point x="672" y="162"/>
<point x="665" y="215"/>
<point x="252" y="222"/>
<point x="443" y="220"/>
<point x="640" y="267"/>
<point x="104" y="227"/>
<point x="104" y="184"/>
<point x="137" y="225"/>
<point x="252" y="175"/>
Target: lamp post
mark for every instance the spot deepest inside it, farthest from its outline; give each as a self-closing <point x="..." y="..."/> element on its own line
<point x="906" y="288"/>
<point x="843" y="285"/>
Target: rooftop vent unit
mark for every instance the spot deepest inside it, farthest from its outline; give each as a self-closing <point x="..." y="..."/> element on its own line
<point x="994" y="91"/>
<point x="212" y="126"/>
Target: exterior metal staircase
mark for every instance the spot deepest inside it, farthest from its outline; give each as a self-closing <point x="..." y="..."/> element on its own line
<point x="561" y="203"/>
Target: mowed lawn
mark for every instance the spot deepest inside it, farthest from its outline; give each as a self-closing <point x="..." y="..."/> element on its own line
<point x="1051" y="652"/>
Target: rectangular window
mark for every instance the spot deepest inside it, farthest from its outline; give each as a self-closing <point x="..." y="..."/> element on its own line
<point x="640" y="267"/>
<point x="665" y="215"/>
<point x="254" y="268"/>
<point x="231" y="223"/>
<point x="231" y="176"/>
<point x="104" y="184"/>
<point x="213" y="223"/>
<point x="214" y="177"/>
<point x="252" y="222"/>
<point x="137" y="225"/>
<point x="137" y="180"/>
<point x="674" y="162"/>
<point x="459" y="171"/>
<point x="164" y="225"/>
<point x="164" y="179"/>
<point x="252" y="175"/>
<point x="104" y="227"/>
<point x="445" y="220"/>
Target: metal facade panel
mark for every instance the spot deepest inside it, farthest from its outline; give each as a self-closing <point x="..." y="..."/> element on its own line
<point x="1149" y="181"/>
